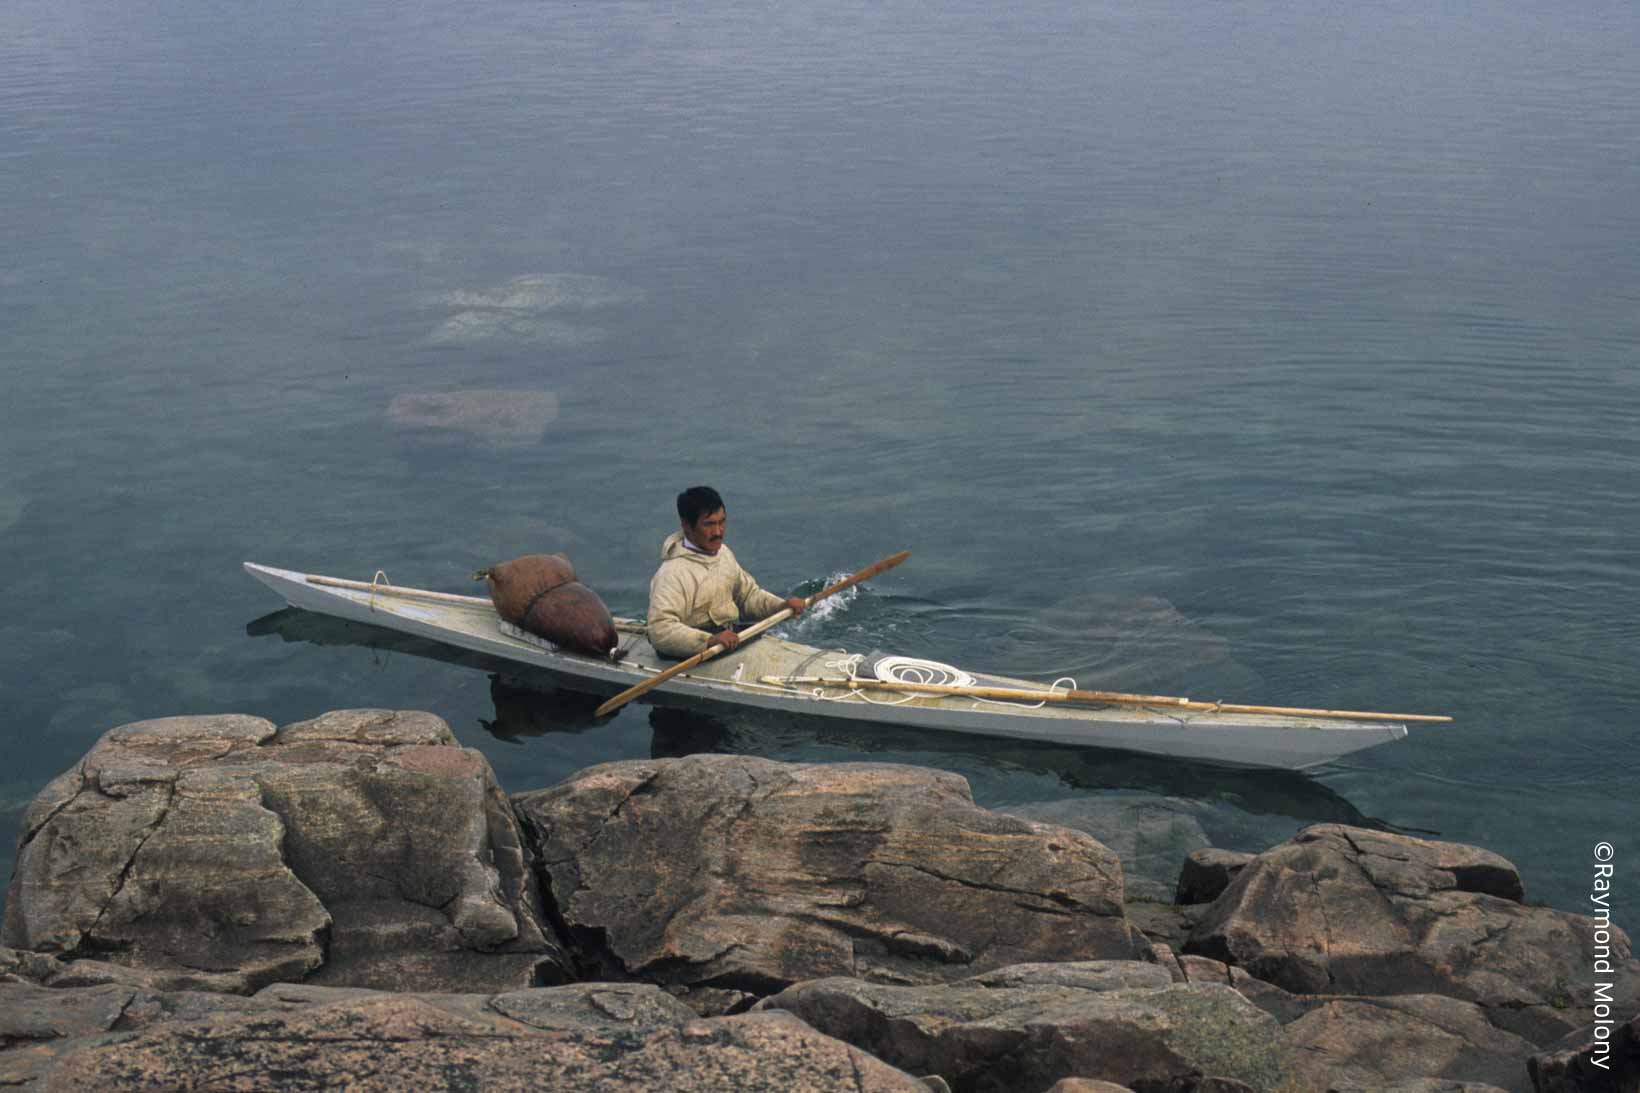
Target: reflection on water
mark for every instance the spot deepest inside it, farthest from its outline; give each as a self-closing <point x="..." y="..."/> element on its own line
<point x="295" y="625"/>
<point x="1151" y="811"/>
<point x="784" y="736"/>
<point x="530" y="704"/>
<point x="522" y="711"/>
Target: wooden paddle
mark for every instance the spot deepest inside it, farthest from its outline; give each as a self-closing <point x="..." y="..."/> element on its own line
<point x="750" y="632"/>
<point x="1103" y="698"/>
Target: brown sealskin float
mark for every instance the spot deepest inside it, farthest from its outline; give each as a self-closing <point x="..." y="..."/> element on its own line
<point x="538" y="593"/>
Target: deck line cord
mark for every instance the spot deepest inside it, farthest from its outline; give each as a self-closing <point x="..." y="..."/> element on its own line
<point x="897" y="669"/>
<point x="380" y="578"/>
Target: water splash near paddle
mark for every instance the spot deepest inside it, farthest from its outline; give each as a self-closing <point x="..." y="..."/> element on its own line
<point x="827" y="610"/>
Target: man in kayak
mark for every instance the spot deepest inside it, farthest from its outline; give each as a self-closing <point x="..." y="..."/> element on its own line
<point x="700" y="592"/>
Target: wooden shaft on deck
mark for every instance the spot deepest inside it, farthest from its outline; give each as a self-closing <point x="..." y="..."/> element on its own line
<point x="1008" y="694"/>
<point x="750" y="632"/>
<point x="1299" y="711"/>
<point x="1103" y="698"/>
<point x="400" y="590"/>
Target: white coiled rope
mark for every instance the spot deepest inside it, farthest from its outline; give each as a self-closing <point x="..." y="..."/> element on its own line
<point x="892" y="670"/>
<point x="912" y="670"/>
<point x="886" y="669"/>
<point x="895" y="669"/>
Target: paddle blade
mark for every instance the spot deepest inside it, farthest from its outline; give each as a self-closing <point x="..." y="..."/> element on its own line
<point x="865" y="574"/>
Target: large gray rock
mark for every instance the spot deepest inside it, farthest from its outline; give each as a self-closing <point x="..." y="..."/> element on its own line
<point x="583" y="1007"/>
<point x="1207" y="872"/>
<point x="1341" y="910"/>
<point x="40" y="1025"/>
<point x="1282" y="1005"/>
<point x="361" y="848"/>
<point x="1419" y="1085"/>
<point x="396" y="1042"/>
<point x="1601" y="1057"/>
<point x="1374" y="1043"/>
<point x="1025" y="1029"/>
<point x="1356" y="1042"/>
<point x="20" y="966"/>
<point x="738" y="872"/>
<point x="1166" y="924"/>
<point x="31" y="1013"/>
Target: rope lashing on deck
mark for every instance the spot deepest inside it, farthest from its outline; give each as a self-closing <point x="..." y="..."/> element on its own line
<point x="380" y="578"/>
<point x="897" y="669"/>
<point x="894" y="670"/>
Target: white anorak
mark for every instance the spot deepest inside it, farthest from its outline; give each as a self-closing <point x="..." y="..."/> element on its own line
<point x="693" y="596"/>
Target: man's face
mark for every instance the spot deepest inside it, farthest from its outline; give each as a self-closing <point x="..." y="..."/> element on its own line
<point x="707" y="532"/>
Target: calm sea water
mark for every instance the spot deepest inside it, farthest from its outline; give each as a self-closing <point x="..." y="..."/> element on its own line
<point x="1266" y="352"/>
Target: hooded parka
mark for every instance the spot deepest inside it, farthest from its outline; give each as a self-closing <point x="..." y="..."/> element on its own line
<point x="692" y="596"/>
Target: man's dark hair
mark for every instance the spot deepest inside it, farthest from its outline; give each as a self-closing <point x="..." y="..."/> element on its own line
<point x="698" y="501"/>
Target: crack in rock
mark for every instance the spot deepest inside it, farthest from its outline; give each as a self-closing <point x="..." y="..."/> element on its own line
<point x="648" y="781"/>
<point x="1040" y="910"/>
<point x="1326" y="930"/>
<point x="125" y="872"/>
<point x="859" y="1079"/>
<point x="28" y="837"/>
<point x="1060" y="898"/>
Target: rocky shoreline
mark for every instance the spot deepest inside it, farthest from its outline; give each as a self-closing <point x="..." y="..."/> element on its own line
<point x="353" y="901"/>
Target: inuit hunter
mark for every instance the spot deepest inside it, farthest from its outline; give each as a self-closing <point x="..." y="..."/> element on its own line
<point x="700" y="592"/>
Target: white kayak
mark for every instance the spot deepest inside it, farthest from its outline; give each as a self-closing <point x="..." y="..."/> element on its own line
<point x="772" y="673"/>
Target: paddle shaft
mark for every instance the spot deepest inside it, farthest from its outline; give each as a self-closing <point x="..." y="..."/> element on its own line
<point x="750" y="632"/>
<point x="1108" y="698"/>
